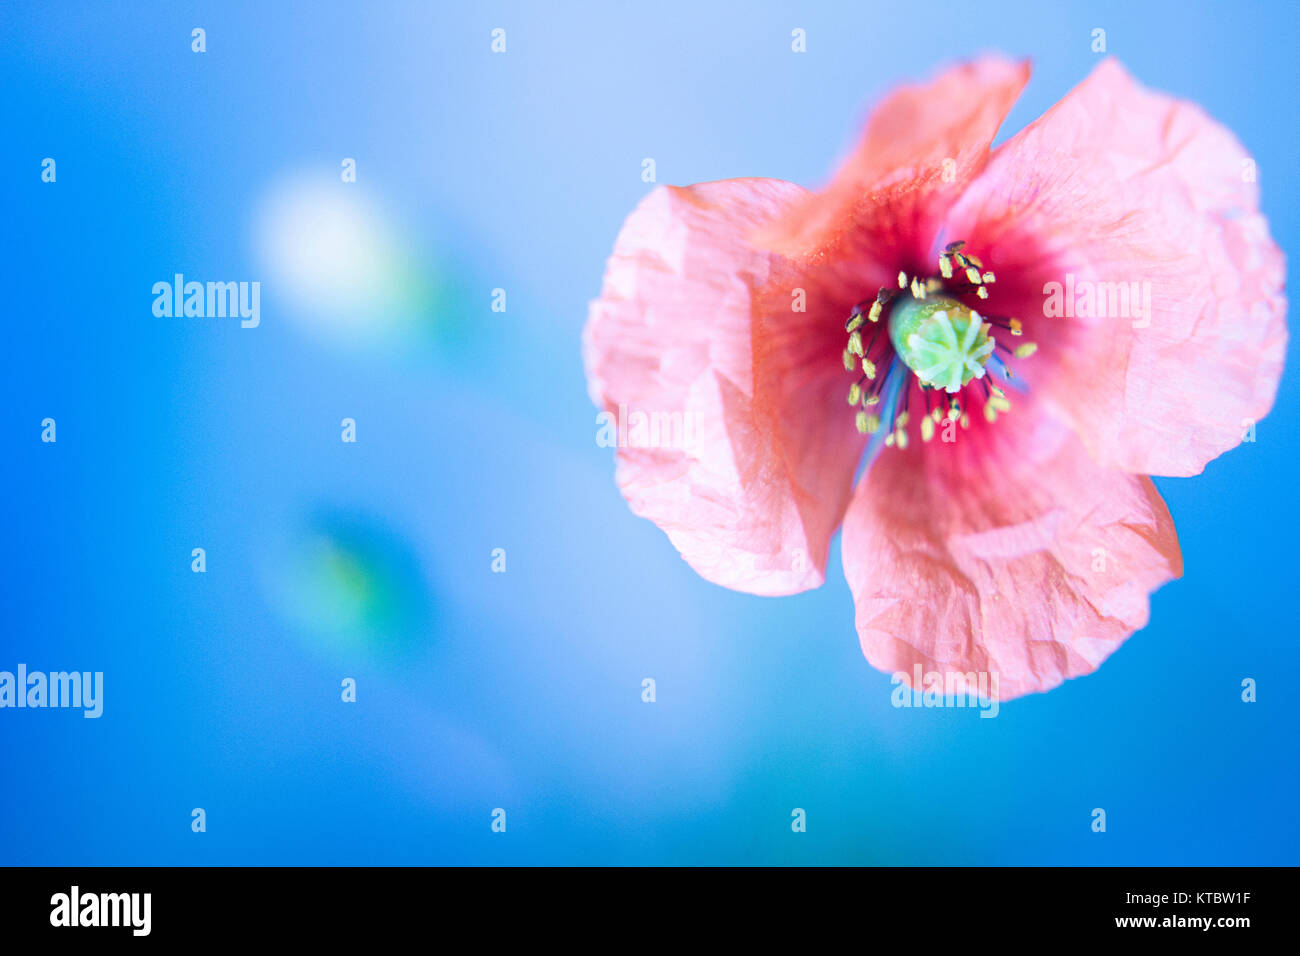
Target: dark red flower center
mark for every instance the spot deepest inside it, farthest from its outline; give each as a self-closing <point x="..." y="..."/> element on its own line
<point x="936" y="340"/>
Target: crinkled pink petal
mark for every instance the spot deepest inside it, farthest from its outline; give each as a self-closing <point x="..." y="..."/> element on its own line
<point x="1116" y="184"/>
<point x="694" y="320"/>
<point x="921" y="147"/>
<point x="1008" y="552"/>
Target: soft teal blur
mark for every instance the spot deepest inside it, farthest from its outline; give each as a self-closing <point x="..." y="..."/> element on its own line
<point x="328" y="560"/>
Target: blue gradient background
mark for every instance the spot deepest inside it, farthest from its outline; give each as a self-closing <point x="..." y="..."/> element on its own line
<point x="522" y="690"/>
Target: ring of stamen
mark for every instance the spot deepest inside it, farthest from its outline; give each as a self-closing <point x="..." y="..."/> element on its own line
<point x="939" y="339"/>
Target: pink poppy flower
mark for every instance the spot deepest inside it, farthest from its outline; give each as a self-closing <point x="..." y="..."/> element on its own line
<point x="999" y="345"/>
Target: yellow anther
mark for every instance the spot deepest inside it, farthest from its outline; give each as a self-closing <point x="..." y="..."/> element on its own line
<point x="861" y="420"/>
<point x="982" y="292"/>
<point x="902" y="279"/>
<point x="973" y="275"/>
<point x="1000" y="403"/>
<point x="872" y="400"/>
<point x="902" y="437"/>
<point x="936" y="415"/>
<point x="869" y="367"/>
<point x="918" y="290"/>
<point x="988" y="277"/>
<point x="933" y="285"/>
<point x="902" y="420"/>
<point x="855" y="343"/>
<point x="990" y="413"/>
<point x="889" y="440"/>
<point x="1026" y="350"/>
<point x="848" y="361"/>
<point x="927" y="428"/>
<point x="874" y="314"/>
<point x="974" y="260"/>
<point x="854" y="323"/>
<point x="1016" y="327"/>
<point x="945" y="265"/>
<point x="855" y="393"/>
